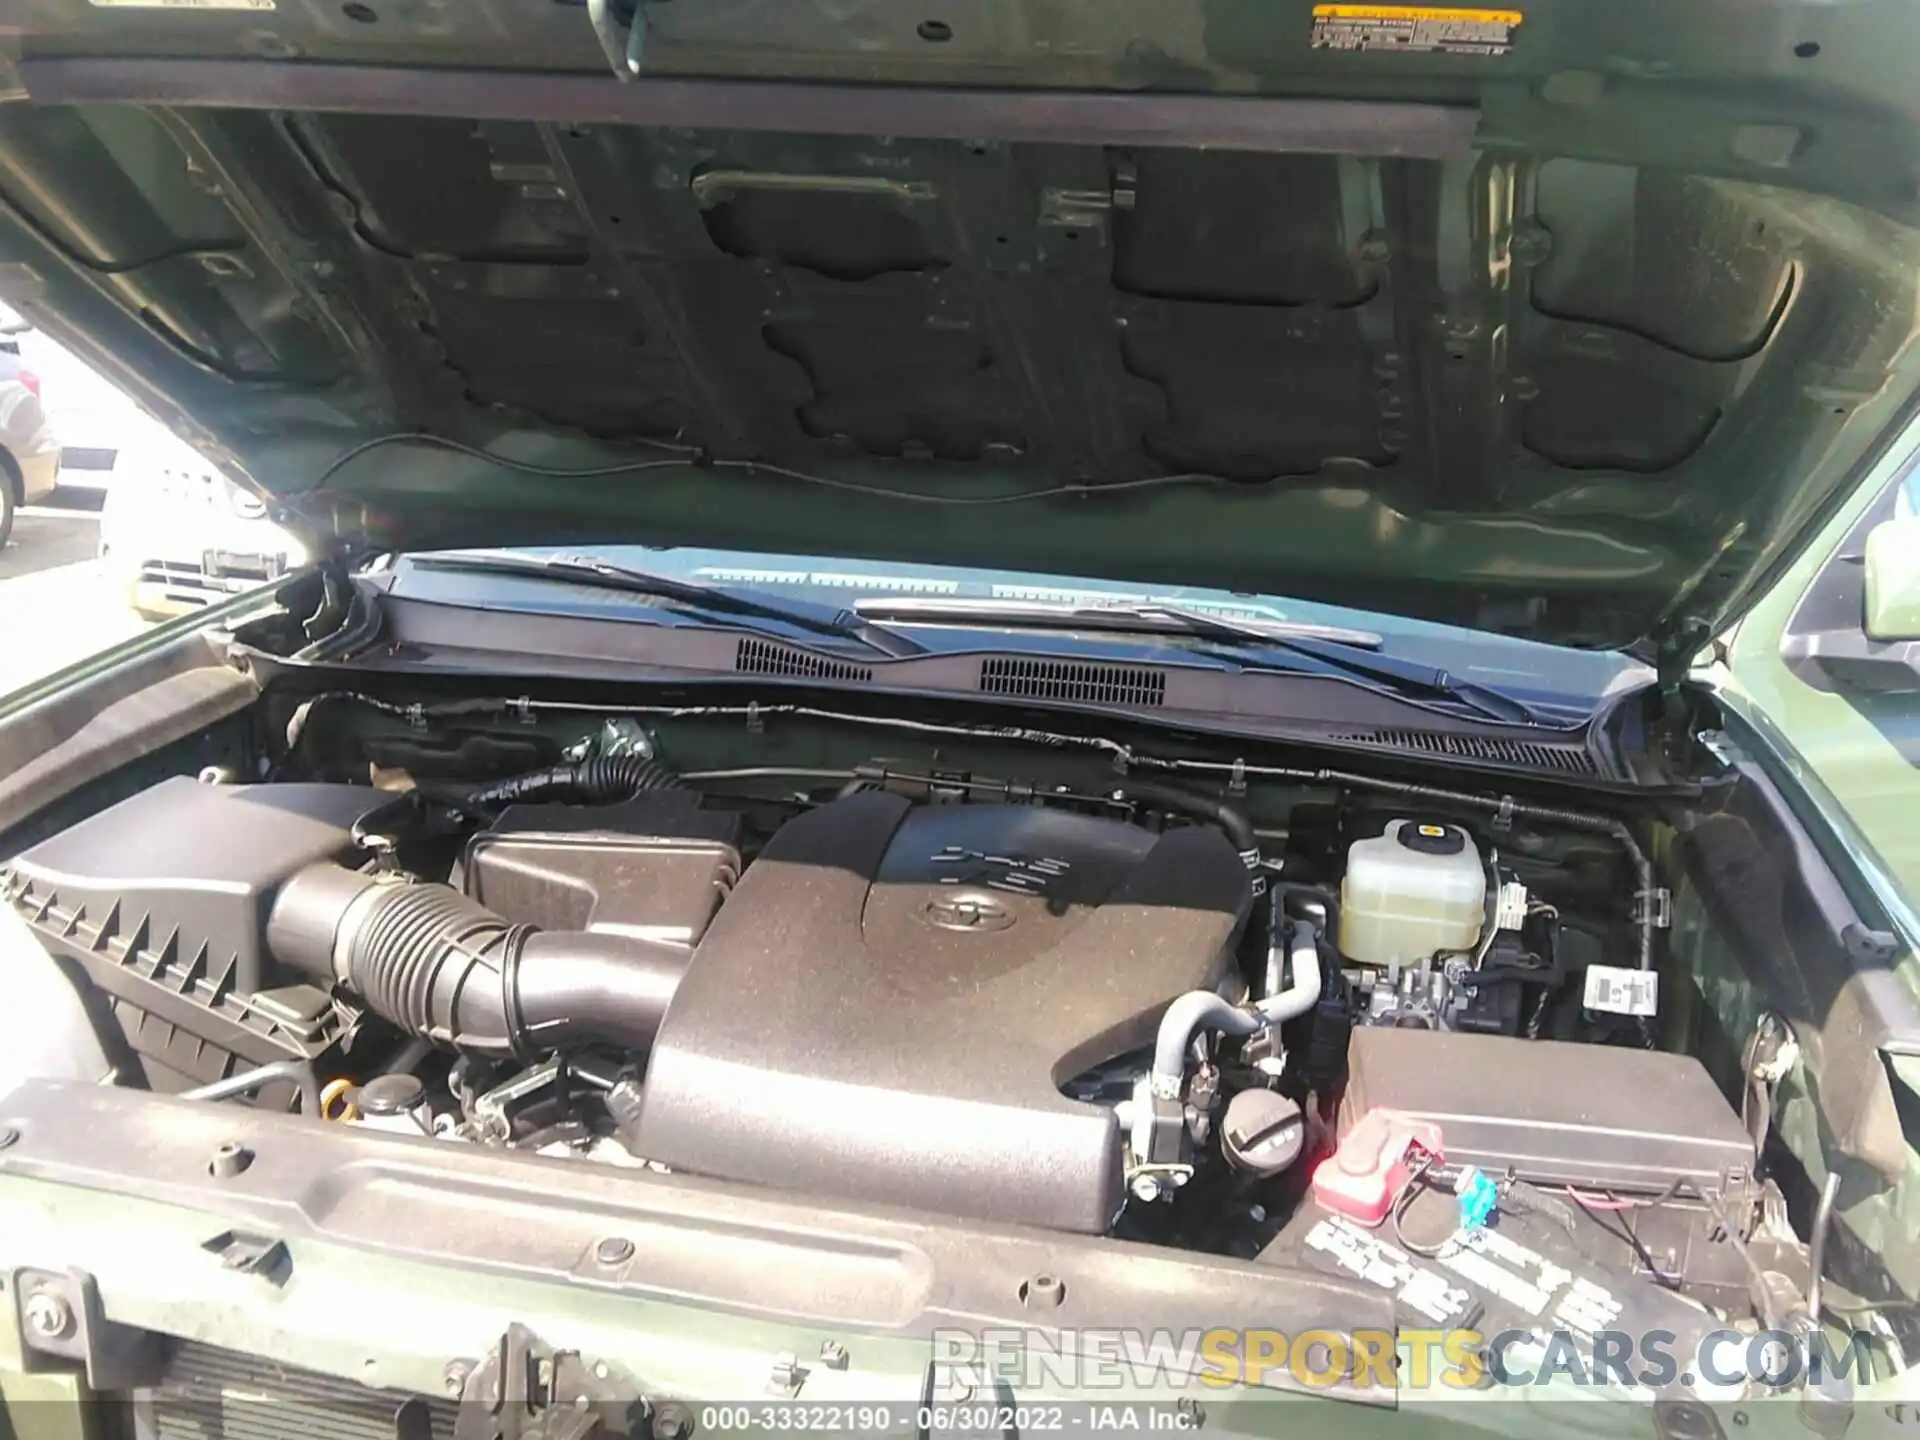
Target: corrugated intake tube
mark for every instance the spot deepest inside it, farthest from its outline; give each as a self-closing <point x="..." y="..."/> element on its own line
<point x="444" y="967"/>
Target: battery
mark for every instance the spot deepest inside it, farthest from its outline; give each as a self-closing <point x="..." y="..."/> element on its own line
<point x="1599" y="1117"/>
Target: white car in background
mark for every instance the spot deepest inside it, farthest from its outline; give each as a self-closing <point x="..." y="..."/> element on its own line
<point x="29" y="449"/>
<point x="96" y="422"/>
<point x="173" y="530"/>
<point x="179" y="535"/>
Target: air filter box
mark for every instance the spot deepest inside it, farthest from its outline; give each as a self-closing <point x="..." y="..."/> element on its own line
<point x="162" y="902"/>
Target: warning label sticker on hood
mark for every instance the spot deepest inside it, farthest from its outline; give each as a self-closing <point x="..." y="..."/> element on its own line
<point x="1425" y="1291"/>
<point x="1420" y="29"/>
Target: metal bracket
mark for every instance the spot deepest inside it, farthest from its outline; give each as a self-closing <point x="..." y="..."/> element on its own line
<point x="1716" y="744"/>
<point x="1503" y="817"/>
<point x="60" y="1318"/>
<point x="1776" y="1049"/>
<point x="527" y="1390"/>
<point x="1148" y="1183"/>
<point x="492" y="1113"/>
<point x="1237" y="778"/>
<point x="1653" y="907"/>
<point x="948" y="787"/>
<point x="1079" y="211"/>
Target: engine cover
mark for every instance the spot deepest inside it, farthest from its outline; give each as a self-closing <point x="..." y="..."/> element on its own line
<point x="887" y="1004"/>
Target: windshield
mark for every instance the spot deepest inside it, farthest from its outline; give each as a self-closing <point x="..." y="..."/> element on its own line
<point x="1561" y="678"/>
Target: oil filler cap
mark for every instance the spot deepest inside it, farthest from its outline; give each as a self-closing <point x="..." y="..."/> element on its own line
<point x="1428" y="839"/>
<point x="1263" y="1132"/>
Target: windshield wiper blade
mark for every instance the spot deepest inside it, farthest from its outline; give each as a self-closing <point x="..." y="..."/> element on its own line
<point x="835" y="621"/>
<point x="1129" y="617"/>
<point x="1353" y="653"/>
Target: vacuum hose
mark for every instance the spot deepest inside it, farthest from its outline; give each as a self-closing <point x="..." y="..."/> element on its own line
<point x="443" y="967"/>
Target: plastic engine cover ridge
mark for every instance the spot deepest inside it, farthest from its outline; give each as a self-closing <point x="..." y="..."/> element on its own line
<point x="887" y="1004"/>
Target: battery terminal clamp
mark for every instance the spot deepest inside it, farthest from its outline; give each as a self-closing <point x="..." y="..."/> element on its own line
<point x="1374" y="1163"/>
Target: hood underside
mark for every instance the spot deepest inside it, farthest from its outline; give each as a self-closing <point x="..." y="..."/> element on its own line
<point x="1547" y="339"/>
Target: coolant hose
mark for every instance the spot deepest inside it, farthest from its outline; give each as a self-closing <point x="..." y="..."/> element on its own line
<point x="599" y="781"/>
<point x="1230" y="818"/>
<point x="1203" y="1009"/>
<point x="441" y="966"/>
<point x="1303" y="984"/>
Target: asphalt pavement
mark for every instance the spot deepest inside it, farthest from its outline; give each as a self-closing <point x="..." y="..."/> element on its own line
<point x="62" y="530"/>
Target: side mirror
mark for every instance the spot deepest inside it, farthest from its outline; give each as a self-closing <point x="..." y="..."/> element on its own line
<point x="1893" y="580"/>
<point x="1858" y="629"/>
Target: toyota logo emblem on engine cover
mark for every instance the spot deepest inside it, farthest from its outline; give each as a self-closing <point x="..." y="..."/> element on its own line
<point x="974" y="914"/>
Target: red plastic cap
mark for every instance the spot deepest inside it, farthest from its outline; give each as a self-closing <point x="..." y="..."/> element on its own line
<point x="1372" y="1164"/>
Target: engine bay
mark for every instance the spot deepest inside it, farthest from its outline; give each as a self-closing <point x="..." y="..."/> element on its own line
<point x="1322" y="1019"/>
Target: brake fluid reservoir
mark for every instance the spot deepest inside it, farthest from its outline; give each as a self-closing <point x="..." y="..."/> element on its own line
<point x="1414" y="890"/>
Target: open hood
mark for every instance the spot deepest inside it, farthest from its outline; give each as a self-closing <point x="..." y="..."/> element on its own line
<point x="1567" y="322"/>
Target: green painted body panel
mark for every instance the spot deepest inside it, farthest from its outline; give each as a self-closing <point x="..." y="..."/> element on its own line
<point x="1846" y="750"/>
<point x="1579" y="341"/>
<point x="395" y="1324"/>
<point x="1597" y="351"/>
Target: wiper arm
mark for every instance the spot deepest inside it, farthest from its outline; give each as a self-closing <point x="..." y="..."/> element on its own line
<point x="830" y="620"/>
<point x="1128" y="617"/>
<point x="1352" y="652"/>
<point x="1358" y="657"/>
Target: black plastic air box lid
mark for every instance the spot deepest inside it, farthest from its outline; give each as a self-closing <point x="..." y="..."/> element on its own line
<point x="202" y="862"/>
<point x="1554" y="1112"/>
<point x="656" y="865"/>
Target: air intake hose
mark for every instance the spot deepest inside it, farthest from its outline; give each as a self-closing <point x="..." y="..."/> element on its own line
<point x="446" y="968"/>
<point x="599" y="781"/>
